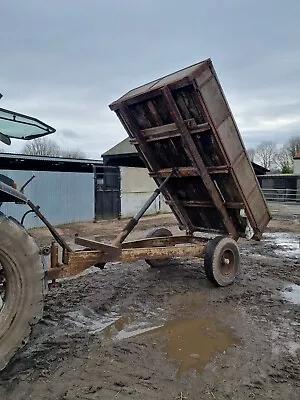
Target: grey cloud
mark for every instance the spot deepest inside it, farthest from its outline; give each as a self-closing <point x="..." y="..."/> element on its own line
<point x="65" y="61"/>
<point x="69" y="134"/>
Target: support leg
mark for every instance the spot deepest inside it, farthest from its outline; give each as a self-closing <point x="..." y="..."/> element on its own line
<point x="134" y="220"/>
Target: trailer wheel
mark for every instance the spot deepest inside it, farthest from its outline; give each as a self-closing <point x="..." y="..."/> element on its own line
<point x="158" y="232"/>
<point x="21" y="287"/>
<point x="222" y="260"/>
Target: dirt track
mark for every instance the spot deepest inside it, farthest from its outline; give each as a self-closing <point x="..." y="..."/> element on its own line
<point x="238" y="342"/>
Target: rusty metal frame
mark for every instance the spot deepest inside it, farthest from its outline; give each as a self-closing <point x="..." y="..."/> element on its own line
<point x="197" y="161"/>
<point x="73" y="262"/>
<point x="77" y="261"/>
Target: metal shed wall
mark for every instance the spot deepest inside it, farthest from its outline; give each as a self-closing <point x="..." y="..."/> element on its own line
<point x="64" y="197"/>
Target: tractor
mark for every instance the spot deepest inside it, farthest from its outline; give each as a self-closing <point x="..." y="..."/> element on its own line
<point x="21" y="261"/>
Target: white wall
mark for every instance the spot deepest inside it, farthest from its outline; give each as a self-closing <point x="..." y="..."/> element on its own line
<point x="297" y="167"/>
<point x="136" y="188"/>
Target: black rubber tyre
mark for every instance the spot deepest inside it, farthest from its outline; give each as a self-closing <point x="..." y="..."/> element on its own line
<point x="222" y="260"/>
<point x="22" y="305"/>
<point x="158" y="232"/>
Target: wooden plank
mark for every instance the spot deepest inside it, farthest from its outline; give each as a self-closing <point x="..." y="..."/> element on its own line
<point x="219" y="169"/>
<point x="177" y="172"/>
<point x="170" y="130"/>
<point x="154" y="113"/>
<point x="209" y="204"/>
<point x="159" y="129"/>
<point x="182" y="172"/>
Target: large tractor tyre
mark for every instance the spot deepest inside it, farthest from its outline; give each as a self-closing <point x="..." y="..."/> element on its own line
<point x="21" y="287"/>
<point x="222" y="260"/>
<point x="158" y="232"/>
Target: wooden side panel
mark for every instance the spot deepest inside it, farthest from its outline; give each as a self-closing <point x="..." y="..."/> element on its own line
<point x="227" y="134"/>
<point x="214" y="102"/>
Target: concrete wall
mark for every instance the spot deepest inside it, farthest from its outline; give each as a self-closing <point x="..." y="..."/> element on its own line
<point x="136" y="188"/>
<point x="64" y="197"/>
<point x="297" y="167"/>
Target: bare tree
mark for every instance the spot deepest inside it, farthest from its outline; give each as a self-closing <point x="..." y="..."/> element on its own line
<point x="265" y="154"/>
<point x="251" y="154"/>
<point x="283" y="161"/>
<point x="47" y="147"/>
<point x="293" y="146"/>
<point x="42" y="147"/>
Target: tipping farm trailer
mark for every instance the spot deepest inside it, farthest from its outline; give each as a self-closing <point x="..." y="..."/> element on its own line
<point x="183" y="129"/>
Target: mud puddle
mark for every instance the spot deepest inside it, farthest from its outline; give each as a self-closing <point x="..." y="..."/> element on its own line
<point x="192" y="343"/>
<point x="291" y="292"/>
<point x="284" y="244"/>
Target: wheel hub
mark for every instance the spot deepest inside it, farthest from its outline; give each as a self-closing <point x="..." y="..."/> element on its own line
<point x="227" y="262"/>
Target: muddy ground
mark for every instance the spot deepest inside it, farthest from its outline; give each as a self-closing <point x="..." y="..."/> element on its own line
<point x="135" y="332"/>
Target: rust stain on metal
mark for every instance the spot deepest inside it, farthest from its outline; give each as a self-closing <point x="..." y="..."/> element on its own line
<point x="162" y="252"/>
<point x="78" y="261"/>
<point x="53" y="259"/>
<point x="163" y="241"/>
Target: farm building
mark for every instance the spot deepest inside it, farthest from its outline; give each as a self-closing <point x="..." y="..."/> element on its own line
<point x="73" y="190"/>
<point x="297" y="163"/>
<point x="63" y="188"/>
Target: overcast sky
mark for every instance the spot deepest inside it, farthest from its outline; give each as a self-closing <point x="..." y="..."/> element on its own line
<point x="64" y="61"/>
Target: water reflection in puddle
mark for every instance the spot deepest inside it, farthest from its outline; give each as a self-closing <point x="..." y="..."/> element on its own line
<point x="291" y="293"/>
<point x="285" y="244"/>
<point x="124" y="328"/>
<point x="112" y="326"/>
<point x="192" y="343"/>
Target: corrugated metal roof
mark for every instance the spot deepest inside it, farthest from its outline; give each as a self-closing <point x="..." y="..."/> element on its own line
<point x="124" y="147"/>
<point x="50" y="159"/>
